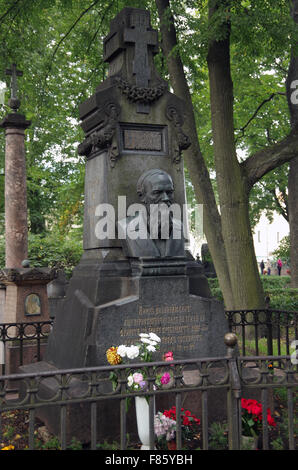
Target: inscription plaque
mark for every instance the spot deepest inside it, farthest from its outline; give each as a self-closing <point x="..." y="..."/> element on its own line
<point x="142" y="140"/>
<point x="139" y="139"/>
<point x="181" y="328"/>
<point x="163" y="306"/>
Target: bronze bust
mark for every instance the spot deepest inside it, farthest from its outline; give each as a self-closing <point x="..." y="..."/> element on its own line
<point x="157" y="233"/>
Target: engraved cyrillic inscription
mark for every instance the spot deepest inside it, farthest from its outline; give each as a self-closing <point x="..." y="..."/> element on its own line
<point x="175" y="324"/>
<point x="142" y="140"/>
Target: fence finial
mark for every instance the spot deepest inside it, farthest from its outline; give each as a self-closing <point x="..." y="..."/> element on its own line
<point x="231" y="340"/>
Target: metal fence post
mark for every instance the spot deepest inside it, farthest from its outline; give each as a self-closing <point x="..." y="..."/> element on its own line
<point x="234" y="395"/>
<point x="269" y="327"/>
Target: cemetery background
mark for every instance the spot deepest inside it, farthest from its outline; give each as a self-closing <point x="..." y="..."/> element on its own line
<point x="38" y="214"/>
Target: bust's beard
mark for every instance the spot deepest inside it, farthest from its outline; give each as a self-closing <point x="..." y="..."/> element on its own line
<point x="163" y="230"/>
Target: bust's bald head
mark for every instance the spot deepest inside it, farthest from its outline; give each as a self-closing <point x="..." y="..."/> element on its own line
<point x="151" y="183"/>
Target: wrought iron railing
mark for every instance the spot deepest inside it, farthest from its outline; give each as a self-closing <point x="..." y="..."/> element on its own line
<point x="260" y="332"/>
<point x="229" y="374"/>
<point x="21" y="334"/>
<point x="278" y="328"/>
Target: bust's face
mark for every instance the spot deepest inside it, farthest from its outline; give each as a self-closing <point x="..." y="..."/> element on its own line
<point x="159" y="189"/>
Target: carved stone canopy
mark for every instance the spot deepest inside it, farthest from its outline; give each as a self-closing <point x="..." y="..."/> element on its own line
<point x="27" y="275"/>
<point x="15" y="121"/>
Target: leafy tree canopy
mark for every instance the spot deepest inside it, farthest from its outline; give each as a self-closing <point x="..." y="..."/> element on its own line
<point x="58" y="45"/>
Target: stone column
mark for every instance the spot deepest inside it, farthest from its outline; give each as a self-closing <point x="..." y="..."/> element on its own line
<point x="16" y="225"/>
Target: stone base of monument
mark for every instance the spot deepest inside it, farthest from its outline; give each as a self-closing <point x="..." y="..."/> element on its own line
<point x="157" y="297"/>
<point x="162" y="302"/>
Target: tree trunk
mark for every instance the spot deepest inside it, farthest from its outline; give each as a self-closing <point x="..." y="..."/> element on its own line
<point x="293" y="172"/>
<point x="193" y="157"/>
<point x="232" y="188"/>
<point x="229" y="233"/>
<point x="293" y="220"/>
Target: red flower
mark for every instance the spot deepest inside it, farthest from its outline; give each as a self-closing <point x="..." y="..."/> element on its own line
<point x="187" y="418"/>
<point x="254" y="408"/>
<point x="270" y="420"/>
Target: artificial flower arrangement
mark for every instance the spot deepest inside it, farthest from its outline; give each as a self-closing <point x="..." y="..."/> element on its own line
<point x="143" y="350"/>
<point x="165" y="427"/>
<point x="252" y="416"/>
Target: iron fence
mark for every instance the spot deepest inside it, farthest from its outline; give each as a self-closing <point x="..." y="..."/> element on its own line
<point x="260" y="332"/>
<point x="272" y="331"/>
<point x="229" y="375"/>
<point x="18" y="335"/>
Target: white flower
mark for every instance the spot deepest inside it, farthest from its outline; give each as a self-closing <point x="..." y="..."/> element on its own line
<point x="130" y="380"/>
<point x="144" y="335"/>
<point x="151" y="348"/>
<point x="132" y="352"/>
<point x="148" y="341"/>
<point x="154" y="337"/>
<point x="122" y="350"/>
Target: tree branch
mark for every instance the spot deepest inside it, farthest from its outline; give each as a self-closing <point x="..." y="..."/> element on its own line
<point x="263" y="161"/>
<point x="73" y="26"/>
<point x="66" y="35"/>
<point x="242" y="129"/>
<point x="9" y="10"/>
<point x="283" y="210"/>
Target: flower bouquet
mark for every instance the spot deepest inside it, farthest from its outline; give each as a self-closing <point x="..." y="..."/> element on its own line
<point x="165" y="425"/>
<point x="252" y="416"/>
<point x="138" y="381"/>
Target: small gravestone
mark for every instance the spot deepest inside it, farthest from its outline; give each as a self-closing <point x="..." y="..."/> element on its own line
<point x="126" y="285"/>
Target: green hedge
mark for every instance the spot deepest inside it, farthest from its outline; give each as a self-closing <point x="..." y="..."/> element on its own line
<point x="282" y="296"/>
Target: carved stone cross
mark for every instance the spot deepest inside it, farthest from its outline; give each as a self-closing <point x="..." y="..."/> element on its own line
<point x="142" y="38"/>
<point x="14" y="72"/>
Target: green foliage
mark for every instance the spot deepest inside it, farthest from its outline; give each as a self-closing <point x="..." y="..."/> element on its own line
<point x="52" y="444"/>
<point x="75" y="444"/>
<point x="283" y="250"/>
<point x="108" y="446"/>
<point x="51" y="250"/>
<point x="276" y="282"/>
<point x="54" y="251"/>
<point x="218" y="438"/>
<point x="58" y="46"/>
<point x="282" y="297"/>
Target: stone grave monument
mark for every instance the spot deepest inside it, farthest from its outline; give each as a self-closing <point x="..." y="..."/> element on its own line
<point x="125" y="285"/>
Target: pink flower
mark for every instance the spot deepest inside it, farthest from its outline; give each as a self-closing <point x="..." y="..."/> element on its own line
<point x="165" y="378"/>
<point x="138" y="378"/>
<point x="168" y="356"/>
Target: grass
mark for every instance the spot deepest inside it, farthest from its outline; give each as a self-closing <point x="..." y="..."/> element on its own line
<point x="250" y="347"/>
